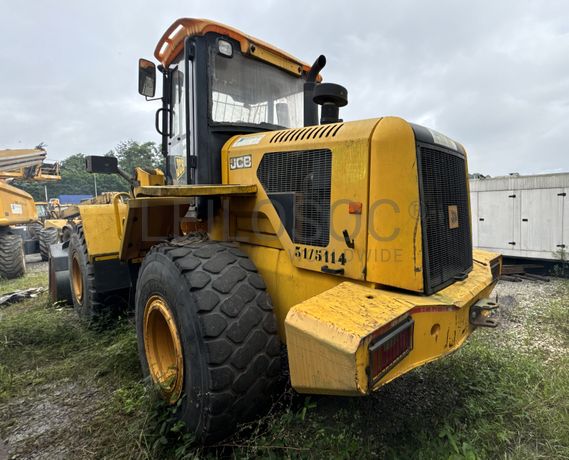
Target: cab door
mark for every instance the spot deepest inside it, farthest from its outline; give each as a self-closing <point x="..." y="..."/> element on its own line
<point x="180" y="114"/>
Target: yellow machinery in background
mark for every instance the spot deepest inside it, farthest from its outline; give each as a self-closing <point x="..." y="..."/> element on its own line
<point x="18" y="209"/>
<point x="348" y="242"/>
<point x="50" y="226"/>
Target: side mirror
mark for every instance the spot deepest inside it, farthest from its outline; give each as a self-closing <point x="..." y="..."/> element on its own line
<point x="101" y="165"/>
<point x="146" y="78"/>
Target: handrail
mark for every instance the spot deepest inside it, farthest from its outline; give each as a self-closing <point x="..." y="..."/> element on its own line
<point x="118" y="220"/>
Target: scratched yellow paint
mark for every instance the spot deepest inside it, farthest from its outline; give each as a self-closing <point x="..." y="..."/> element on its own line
<point x="395" y="256"/>
<point x="349" y="147"/>
<point x="328" y="335"/>
<point x="374" y="163"/>
<point x="193" y="190"/>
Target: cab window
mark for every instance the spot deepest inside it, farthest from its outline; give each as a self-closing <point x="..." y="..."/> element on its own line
<point x="178" y="103"/>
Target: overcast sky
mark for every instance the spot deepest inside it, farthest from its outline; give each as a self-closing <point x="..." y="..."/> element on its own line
<point x="493" y="75"/>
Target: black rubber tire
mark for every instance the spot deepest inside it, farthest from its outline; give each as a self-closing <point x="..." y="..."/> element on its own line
<point x="66" y="231"/>
<point x="59" y="288"/>
<point x="90" y="308"/>
<point x="226" y="323"/>
<point x="47" y="237"/>
<point x="34" y="229"/>
<point x="12" y="258"/>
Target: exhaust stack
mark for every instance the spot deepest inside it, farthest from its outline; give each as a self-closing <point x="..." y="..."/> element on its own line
<point x="310" y="108"/>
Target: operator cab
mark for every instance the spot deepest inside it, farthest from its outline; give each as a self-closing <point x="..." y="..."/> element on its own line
<point x="237" y="85"/>
<point x="42" y="210"/>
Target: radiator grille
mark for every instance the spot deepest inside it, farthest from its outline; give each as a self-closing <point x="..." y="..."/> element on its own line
<point x="298" y="184"/>
<point x="446" y="221"/>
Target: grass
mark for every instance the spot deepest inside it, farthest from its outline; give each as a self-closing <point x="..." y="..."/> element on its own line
<point x="478" y="403"/>
<point x="33" y="279"/>
<point x="488" y="400"/>
<point x="558" y="316"/>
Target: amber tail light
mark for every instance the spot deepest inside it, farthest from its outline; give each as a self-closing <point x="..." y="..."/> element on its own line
<point x="389" y="348"/>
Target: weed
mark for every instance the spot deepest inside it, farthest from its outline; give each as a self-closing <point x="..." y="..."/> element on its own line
<point x="561" y="268"/>
<point x="558" y="315"/>
<point x="490" y="399"/>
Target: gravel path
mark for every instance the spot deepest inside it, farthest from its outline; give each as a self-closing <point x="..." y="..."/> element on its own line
<point x="527" y="320"/>
<point x="35" y="264"/>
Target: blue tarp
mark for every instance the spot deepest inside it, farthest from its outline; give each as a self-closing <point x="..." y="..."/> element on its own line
<point x="73" y="199"/>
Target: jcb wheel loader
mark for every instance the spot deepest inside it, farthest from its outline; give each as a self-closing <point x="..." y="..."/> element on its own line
<point x="347" y="242"/>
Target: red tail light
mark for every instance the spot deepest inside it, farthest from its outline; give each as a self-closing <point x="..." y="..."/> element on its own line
<point x="389" y="348"/>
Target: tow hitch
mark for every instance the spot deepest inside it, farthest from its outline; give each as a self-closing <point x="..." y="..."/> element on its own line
<point x="482" y="313"/>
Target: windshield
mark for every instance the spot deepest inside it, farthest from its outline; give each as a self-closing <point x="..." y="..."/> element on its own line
<point x="41" y="209"/>
<point x="247" y="91"/>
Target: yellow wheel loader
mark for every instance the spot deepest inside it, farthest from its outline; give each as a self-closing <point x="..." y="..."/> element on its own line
<point x="51" y="226"/>
<point x="278" y="224"/>
<point x="24" y="224"/>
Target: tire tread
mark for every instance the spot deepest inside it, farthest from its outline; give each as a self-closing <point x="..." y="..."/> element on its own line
<point x="47" y="237"/>
<point x="238" y="327"/>
<point x="12" y="261"/>
<point x="93" y="307"/>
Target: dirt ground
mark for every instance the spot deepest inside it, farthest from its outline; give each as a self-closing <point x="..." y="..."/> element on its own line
<point x="47" y="421"/>
<point x="43" y="422"/>
<point x="35" y="264"/>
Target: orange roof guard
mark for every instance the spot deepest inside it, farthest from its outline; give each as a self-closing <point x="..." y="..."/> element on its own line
<point x="172" y="43"/>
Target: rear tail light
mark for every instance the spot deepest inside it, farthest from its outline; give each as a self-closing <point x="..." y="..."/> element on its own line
<point x="389" y="348"/>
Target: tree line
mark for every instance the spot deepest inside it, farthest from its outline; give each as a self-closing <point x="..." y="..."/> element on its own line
<point x="75" y="180"/>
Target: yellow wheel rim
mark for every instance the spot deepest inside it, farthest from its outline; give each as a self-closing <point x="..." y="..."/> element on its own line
<point x="77" y="279"/>
<point x="163" y="348"/>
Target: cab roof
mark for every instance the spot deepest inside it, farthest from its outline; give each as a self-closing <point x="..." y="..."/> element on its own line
<point x="172" y="43"/>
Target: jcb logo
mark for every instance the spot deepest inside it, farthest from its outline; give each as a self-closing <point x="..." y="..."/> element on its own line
<point x="241" y="162"/>
<point x="453" y="216"/>
<point x="180" y="167"/>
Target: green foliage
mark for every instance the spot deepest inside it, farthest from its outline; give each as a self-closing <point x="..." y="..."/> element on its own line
<point x="132" y="154"/>
<point x="75" y="180"/>
<point x="561" y="268"/>
<point x="168" y="435"/>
